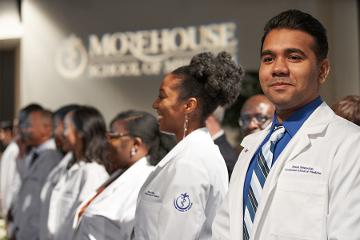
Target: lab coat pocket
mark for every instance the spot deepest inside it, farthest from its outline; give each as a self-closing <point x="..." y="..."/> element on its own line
<point x="60" y="209"/>
<point x="148" y="229"/>
<point x="298" y="210"/>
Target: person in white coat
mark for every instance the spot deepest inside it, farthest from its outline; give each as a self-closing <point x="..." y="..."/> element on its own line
<point x="180" y="197"/>
<point x="312" y="188"/>
<point x="8" y="172"/>
<point x="59" y="170"/>
<point x="85" y="131"/>
<point x="135" y="146"/>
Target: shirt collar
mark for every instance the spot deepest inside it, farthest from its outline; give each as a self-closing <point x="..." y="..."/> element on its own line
<point x="296" y="120"/>
<point x="48" y="144"/>
<point x="218" y="134"/>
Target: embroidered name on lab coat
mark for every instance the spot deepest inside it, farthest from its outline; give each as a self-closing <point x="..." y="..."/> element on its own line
<point x="303" y="169"/>
<point x="152" y="194"/>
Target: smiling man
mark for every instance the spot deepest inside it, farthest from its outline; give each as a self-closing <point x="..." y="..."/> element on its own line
<point x="299" y="177"/>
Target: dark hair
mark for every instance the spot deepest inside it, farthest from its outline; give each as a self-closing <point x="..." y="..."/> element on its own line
<point x="298" y="20"/>
<point x="62" y="111"/>
<point x="213" y="80"/>
<point x="349" y="108"/>
<point x="25" y="112"/>
<point x="145" y="126"/>
<point x="91" y="127"/>
<point x="6" y="125"/>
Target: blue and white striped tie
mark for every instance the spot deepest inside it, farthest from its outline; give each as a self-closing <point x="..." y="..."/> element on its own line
<point x="258" y="178"/>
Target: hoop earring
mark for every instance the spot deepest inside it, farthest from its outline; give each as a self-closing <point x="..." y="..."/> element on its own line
<point x="186" y="125"/>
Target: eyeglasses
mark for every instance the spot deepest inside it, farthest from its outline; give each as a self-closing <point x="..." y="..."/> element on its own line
<point x="116" y="135"/>
<point x="259" y="119"/>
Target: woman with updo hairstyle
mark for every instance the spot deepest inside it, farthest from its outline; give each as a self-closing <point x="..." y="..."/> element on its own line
<point x="180" y="198"/>
<point x="135" y="146"/>
<point x="85" y="137"/>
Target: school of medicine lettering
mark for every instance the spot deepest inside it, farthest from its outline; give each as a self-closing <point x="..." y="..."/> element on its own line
<point x="150" y="52"/>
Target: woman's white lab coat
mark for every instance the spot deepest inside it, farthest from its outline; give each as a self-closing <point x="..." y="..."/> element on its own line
<point x="110" y="215"/>
<point x="80" y="181"/>
<point x="51" y="181"/>
<point x="180" y="198"/>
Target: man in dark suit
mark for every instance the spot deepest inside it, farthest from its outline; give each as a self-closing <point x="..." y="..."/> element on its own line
<point x="213" y="123"/>
<point x="256" y="113"/>
<point x="39" y="162"/>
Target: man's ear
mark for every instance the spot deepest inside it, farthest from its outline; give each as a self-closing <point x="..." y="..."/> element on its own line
<point x="324" y="70"/>
<point x="191" y="105"/>
<point x="47" y="130"/>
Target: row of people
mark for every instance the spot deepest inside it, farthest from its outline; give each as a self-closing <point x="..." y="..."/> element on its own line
<point x="51" y="191"/>
<point x="89" y="189"/>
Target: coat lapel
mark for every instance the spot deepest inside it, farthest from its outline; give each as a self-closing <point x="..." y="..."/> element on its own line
<point x="250" y="144"/>
<point x="172" y="154"/>
<point x="31" y="168"/>
<point x="313" y="126"/>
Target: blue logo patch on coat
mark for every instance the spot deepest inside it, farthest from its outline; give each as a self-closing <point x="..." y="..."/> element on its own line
<point x="182" y="203"/>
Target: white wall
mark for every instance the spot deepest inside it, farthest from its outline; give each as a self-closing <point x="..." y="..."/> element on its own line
<point x="10" y="25"/>
<point x="344" y="49"/>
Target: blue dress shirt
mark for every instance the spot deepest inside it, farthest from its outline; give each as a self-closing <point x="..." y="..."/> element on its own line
<point x="291" y="125"/>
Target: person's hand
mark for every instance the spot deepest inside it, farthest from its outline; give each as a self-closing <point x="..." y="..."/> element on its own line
<point x="22" y="146"/>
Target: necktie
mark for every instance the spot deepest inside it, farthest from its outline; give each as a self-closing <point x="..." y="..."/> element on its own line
<point x="261" y="170"/>
<point x="33" y="159"/>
